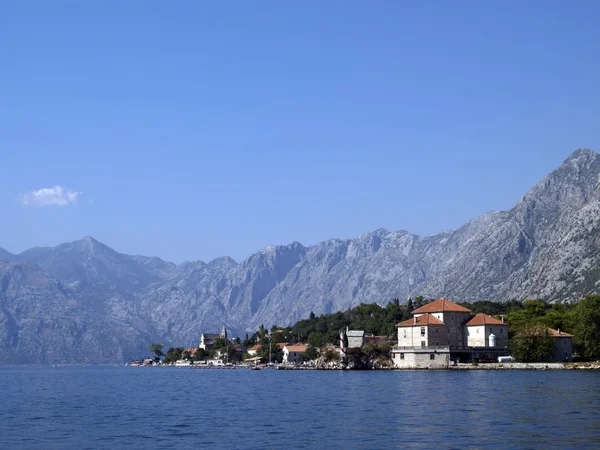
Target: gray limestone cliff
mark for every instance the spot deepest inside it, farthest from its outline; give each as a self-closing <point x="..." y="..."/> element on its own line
<point x="84" y="302"/>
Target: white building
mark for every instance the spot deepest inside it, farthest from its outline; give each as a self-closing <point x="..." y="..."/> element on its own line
<point x="292" y="351"/>
<point x="485" y="331"/>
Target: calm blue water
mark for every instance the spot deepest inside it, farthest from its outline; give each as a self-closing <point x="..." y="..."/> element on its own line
<point x="136" y="407"/>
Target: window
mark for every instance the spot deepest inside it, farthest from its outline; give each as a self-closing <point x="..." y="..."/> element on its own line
<point x="422" y="343"/>
<point x="422" y="331"/>
<point x="437" y="330"/>
<point x="565" y="342"/>
<point x="432" y="356"/>
<point x="477" y="330"/>
<point x="501" y="330"/>
<point x="401" y="355"/>
<point x="404" y="332"/>
<point x="437" y="343"/>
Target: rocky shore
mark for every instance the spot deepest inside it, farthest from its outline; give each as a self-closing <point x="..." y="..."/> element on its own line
<point x="388" y="365"/>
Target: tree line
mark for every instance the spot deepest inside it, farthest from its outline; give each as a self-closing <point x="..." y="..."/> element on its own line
<point x="527" y="320"/>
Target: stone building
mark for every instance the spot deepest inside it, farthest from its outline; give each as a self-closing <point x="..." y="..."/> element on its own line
<point x="563" y="345"/>
<point x="485" y="331"/>
<point x="443" y="331"/>
<point x="356" y="338"/>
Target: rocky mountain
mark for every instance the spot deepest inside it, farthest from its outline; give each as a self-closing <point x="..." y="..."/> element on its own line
<point x="84" y="302"/>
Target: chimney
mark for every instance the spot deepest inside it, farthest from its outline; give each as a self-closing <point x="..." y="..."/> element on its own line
<point x="558" y="331"/>
<point x="415" y="320"/>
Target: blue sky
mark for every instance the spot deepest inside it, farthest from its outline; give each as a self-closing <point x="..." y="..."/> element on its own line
<point x="191" y="130"/>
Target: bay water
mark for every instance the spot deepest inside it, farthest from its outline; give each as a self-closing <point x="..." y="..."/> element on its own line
<point x="102" y="407"/>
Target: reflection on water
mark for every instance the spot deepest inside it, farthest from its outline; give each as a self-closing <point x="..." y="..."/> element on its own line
<point x="136" y="407"/>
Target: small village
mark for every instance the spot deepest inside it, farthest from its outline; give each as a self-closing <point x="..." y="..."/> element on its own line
<point x="440" y="334"/>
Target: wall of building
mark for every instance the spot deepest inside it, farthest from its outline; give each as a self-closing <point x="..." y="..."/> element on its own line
<point x="356" y="341"/>
<point x="562" y="346"/>
<point x="479" y="336"/>
<point x="421" y="360"/>
<point x="422" y="336"/>
<point x="290" y="356"/>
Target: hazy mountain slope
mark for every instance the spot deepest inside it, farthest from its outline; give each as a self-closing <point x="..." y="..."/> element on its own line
<point x="531" y="250"/>
<point x="41" y="323"/>
<point x="6" y="255"/>
<point x="82" y="301"/>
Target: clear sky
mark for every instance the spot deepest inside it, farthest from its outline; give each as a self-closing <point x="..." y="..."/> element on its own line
<point x="193" y="129"/>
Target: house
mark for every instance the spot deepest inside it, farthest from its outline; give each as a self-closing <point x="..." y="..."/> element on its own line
<point x="356" y="338"/>
<point x="485" y="331"/>
<point x="563" y="345"/>
<point x="292" y="351"/>
<point x="252" y="351"/>
<point x="423" y="341"/>
<point x="442" y="331"/>
<point x="207" y="339"/>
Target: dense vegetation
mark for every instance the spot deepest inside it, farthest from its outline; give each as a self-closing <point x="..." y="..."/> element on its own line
<point x="528" y="322"/>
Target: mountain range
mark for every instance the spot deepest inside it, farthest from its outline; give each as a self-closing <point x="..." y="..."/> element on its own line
<point x="83" y="302"/>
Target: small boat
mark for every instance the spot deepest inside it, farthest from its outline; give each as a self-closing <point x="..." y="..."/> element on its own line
<point x="254" y="368"/>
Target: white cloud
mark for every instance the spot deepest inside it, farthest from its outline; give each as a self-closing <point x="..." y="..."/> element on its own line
<point x="56" y="195"/>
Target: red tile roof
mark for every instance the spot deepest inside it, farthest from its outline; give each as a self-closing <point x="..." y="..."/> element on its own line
<point x="557" y="333"/>
<point x="483" y="319"/>
<point x="425" y="319"/>
<point x="441" y="305"/>
<point x="256" y="348"/>
<point x="297" y="348"/>
<point x="374" y="339"/>
<point x="282" y="344"/>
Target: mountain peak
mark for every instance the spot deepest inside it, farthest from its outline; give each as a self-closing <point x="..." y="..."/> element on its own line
<point x="89" y="245"/>
<point x="583" y="152"/>
<point x="582" y="157"/>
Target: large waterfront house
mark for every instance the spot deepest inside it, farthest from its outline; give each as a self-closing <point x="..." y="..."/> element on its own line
<point x="442" y="331"/>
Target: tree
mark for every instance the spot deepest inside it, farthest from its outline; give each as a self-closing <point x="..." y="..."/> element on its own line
<point x="409" y="306"/>
<point x="586" y="334"/>
<point x="173" y="354"/>
<point x="310" y="354"/>
<point x="276" y="352"/>
<point x="200" y="354"/>
<point x="331" y="355"/>
<point x="532" y="344"/>
<point x="156" y="349"/>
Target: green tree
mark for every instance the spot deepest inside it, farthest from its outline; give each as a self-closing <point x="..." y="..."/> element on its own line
<point x="156" y="349"/>
<point x="276" y="352"/>
<point x="173" y="354"/>
<point x="331" y="355"/>
<point x="200" y="354"/>
<point x="310" y="354"/>
<point x="532" y="344"/>
<point x="586" y="334"/>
